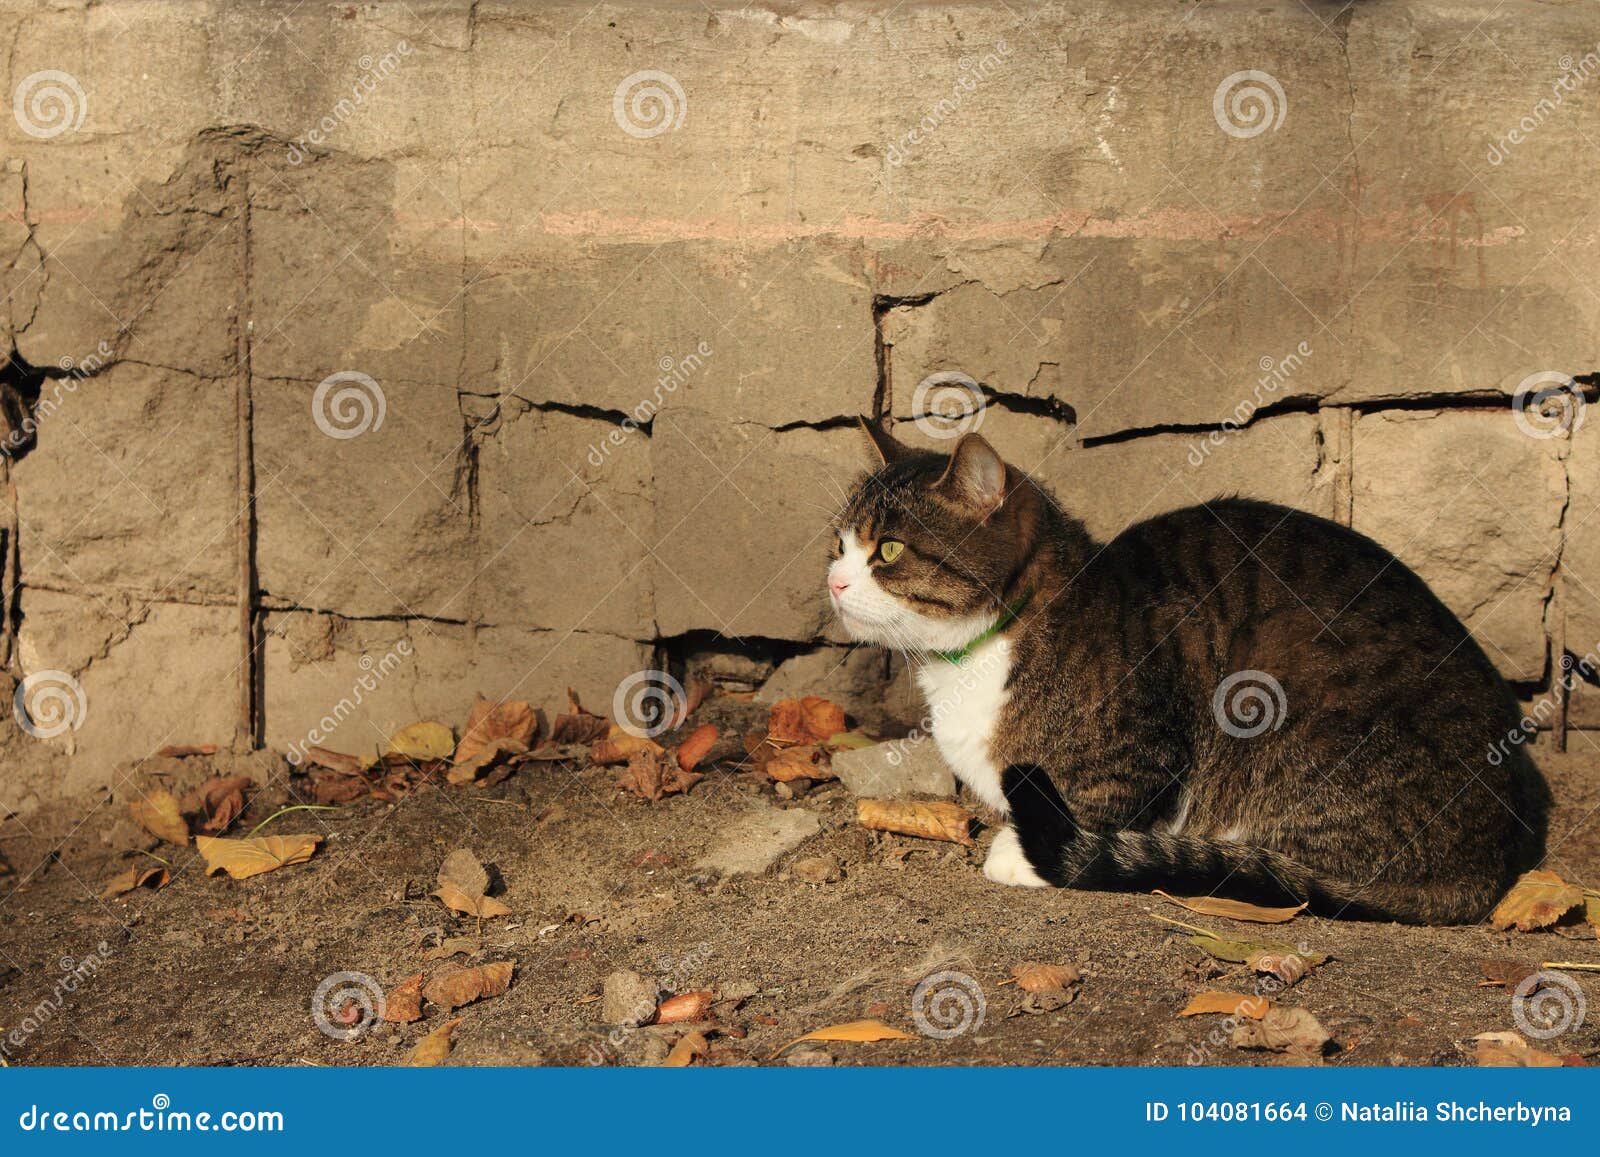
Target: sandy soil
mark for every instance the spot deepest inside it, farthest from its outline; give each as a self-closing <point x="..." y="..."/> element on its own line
<point x="220" y="972"/>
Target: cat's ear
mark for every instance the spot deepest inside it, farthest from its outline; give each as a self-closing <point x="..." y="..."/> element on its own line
<point x="881" y="444"/>
<point x="976" y="476"/>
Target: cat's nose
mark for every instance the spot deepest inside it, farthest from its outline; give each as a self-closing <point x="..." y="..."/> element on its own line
<point x="838" y="586"/>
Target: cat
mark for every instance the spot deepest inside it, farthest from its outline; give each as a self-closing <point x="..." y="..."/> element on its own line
<point x="1236" y="697"/>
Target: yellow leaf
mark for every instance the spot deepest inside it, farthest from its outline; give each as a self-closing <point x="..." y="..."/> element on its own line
<point x="242" y="859"/>
<point x="683" y="1054"/>
<point x="435" y="1047"/>
<point x="855" y="1030"/>
<point x="1233" y="909"/>
<point x="932" y="821"/>
<point x="422" y="742"/>
<point x="1228" y="1003"/>
<point x="1537" y="900"/>
<point x="158" y="813"/>
<point x="135" y="877"/>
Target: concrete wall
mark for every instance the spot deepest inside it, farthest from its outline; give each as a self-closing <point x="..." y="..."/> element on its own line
<point x="616" y="324"/>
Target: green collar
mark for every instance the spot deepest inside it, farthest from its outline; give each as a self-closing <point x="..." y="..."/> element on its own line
<point x="1008" y="615"/>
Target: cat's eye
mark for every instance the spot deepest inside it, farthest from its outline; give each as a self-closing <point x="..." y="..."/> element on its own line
<point x="890" y="549"/>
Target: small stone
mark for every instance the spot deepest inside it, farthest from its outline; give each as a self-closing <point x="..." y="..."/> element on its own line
<point x="809" y="1059"/>
<point x="816" y="869"/>
<point x="752" y="843"/>
<point x="896" y="769"/>
<point x="628" y="998"/>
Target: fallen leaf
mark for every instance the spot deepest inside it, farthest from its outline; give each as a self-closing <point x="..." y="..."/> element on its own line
<point x="1035" y="977"/>
<point x="462" y="886"/>
<point x="556" y="753"/>
<point x="158" y="813"/>
<point x="693" y="749"/>
<point x="334" y="788"/>
<point x="242" y="859"/>
<point x="684" y="1006"/>
<point x="422" y="743"/>
<point x="463" y="986"/>
<point x="182" y="750"/>
<point x="696" y="692"/>
<point x="650" y="777"/>
<point x="488" y="722"/>
<point x="619" y="746"/>
<point x="809" y="720"/>
<point x="690" y="1046"/>
<point x="850" y="741"/>
<point x="135" y="877"/>
<point x="932" y="821"/>
<point x="334" y="760"/>
<point x="496" y="751"/>
<point x="806" y="761"/>
<point x="218" y="802"/>
<point x="435" y="1047"/>
<point x="823" y="719"/>
<point x="1537" y="900"/>
<point x="855" y="1030"/>
<point x="1227" y="1003"/>
<point x="1284" y="961"/>
<point x="1507" y="974"/>
<point x="453" y="946"/>
<point x="578" y="725"/>
<point x="402" y="1004"/>
<point x="1233" y="909"/>
<point x="1283" y="1029"/>
<point x="1507" y="1050"/>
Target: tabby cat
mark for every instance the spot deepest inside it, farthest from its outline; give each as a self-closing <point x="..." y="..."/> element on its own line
<point x="1235" y="698"/>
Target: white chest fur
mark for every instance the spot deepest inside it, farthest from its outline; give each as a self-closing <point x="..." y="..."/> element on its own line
<point x="964" y="705"/>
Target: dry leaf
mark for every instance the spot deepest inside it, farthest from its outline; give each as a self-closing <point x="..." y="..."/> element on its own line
<point x="453" y="989"/>
<point x="336" y="788"/>
<point x="242" y="859"/>
<point x="462" y="886"/>
<point x="850" y="741"/>
<point x="220" y="800"/>
<point x="683" y="1054"/>
<point x="182" y="750"/>
<point x="1227" y="1003"/>
<point x="494" y="752"/>
<point x="334" y="760"/>
<point x="135" y="877"/>
<point x="1537" y="900"/>
<point x="453" y="946"/>
<point x="1507" y="974"/>
<point x="823" y="719"/>
<point x="684" y="1006"/>
<point x="693" y="749"/>
<point x="650" y="777"/>
<point x="932" y="821"/>
<point x="402" y="1004"/>
<point x="855" y="1030"/>
<point x="696" y="692"/>
<point x="1284" y="961"/>
<point x="435" y="1047"/>
<point x="1233" y="909"/>
<point x="1507" y="1050"/>
<point x="806" y="761"/>
<point x="422" y="743"/>
<point x="1292" y="1031"/>
<point x="158" y="813"/>
<point x="578" y="725"/>
<point x="1035" y="977"/>
<point x="619" y="746"/>
<point x="512" y="719"/>
<point x="809" y="720"/>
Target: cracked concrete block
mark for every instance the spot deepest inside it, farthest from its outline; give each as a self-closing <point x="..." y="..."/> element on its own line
<point x="742" y="515"/>
<point x="564" y="524"/>
<point x="1474" y="505"/>
<point x="118" y="650"/>
<point x="376" y="522"/>
<point x="114" y="494"/>
<point x="370" y="678"/>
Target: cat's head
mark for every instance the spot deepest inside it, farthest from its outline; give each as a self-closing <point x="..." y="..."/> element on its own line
<point x="925" y="546"/>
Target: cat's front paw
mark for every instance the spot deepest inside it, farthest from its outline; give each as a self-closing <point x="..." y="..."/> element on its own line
<point x="1007" y="865"/>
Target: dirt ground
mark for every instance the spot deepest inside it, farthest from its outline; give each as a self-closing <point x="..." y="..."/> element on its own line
<point x="212" y="971"/>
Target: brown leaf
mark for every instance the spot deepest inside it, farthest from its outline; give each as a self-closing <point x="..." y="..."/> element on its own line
<point x="1293" y="1031"/>
<point x="685" y="1006"/>
<point x="334" y="760"/>
<point x="578" y="725"/>
<point x="332" y="788"/>
<point x="402" y="1004"/>
<point x="453" y="946"/>
<point x="1035" y="977"/>
<point x="693" y="749"/>
<point x="650" y="777"/>
<point x="454" y="989"/>
<point x="496" y="751"/>
<point x="219" y="801"/>
<point x="1227" y="1003"/>
<point x="183" y="750"/>
<point x="435" y="1047"/>
<point x="823" y="719"/>
<point x="1507" y="974"/>
<point x="855" y="1030"/>
<point x="512" y="719"/>
<point x="1285" y="961"/>
<point x="242" y="859"/>
<point x="619" y="746"/>
<point x="1507" y="1050"/>
<point x="809" y="720"/>
<point x="135" y="877"/>
<point x="690" y="1046"/>
<point x="932" y="821"/>
<point x="462" y="886"/>
<point x="1537" y="900"/>
<point x="1233" y="909"/>
<point x="158" y="813"/>
<point x="806" y="761"/>
<point x="696" y="692"/>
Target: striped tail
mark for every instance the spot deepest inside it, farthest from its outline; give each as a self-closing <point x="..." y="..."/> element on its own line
<point x="1069" y="856"/>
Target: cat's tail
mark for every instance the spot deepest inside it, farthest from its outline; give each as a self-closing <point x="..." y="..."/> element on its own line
<point x="1069" y="856"/>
